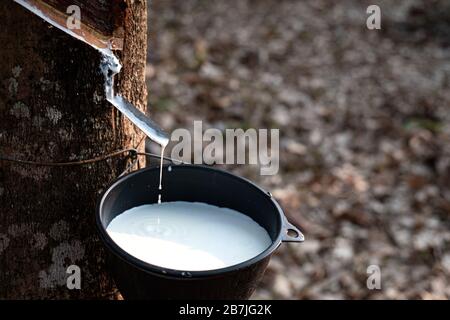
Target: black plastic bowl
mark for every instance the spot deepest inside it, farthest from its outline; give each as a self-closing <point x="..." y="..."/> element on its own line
<point x="137" y="279"/>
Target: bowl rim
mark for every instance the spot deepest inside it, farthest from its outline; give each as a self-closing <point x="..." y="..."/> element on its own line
<point x="185" y="274"/>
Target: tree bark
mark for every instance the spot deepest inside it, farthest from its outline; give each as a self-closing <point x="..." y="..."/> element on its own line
<point x="52" y="108"/>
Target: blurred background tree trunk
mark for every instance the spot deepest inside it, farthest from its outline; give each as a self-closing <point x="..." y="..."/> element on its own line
<point x="52" y="108"/>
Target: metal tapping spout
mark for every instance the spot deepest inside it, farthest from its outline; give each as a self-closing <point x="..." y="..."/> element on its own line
<point x="110" y="67"/>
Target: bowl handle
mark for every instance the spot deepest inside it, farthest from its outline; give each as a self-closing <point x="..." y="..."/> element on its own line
<point x="291" y="233"/>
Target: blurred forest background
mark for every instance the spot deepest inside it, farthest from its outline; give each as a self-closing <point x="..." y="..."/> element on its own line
<point x="364" y="129"/>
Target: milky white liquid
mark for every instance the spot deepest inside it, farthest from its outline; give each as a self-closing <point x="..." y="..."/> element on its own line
<point x="188" y="236"/>
<point x="161" y="173"/>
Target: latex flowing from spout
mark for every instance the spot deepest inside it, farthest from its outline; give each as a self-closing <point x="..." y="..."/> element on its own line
<point x="110" y="67"/>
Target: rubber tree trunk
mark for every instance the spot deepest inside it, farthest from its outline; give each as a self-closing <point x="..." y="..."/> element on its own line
<point x="52" y="108"/>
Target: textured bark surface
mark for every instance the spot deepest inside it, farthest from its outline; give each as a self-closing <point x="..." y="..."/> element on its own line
<point x="52" y="108"/>
<point x="104" y="16"/>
